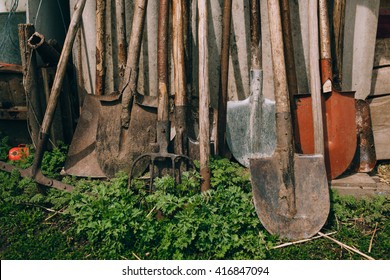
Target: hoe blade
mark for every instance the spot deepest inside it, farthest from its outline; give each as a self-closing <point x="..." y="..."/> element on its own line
<point x="311" y="196"/>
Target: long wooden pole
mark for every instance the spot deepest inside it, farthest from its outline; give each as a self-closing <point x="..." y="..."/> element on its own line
<point x="223" y="96"/>
<point x="100" y="46"/>
<point x="121" y="37"/>
<point x="204" y="97"/>
<point x="315" y="83"/>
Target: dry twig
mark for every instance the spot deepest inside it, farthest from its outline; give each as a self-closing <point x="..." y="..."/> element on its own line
<point x="372" y="238"/>
<point x="138" y="258"/>
<point x="349" y="248"/>
<point x="301" y="241"/>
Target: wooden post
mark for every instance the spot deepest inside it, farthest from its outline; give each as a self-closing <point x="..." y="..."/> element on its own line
<point x="204" y="97"/>
<point x="30" y="78"/>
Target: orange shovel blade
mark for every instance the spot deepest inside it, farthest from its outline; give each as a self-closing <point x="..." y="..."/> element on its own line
<point x="340" y="130"/>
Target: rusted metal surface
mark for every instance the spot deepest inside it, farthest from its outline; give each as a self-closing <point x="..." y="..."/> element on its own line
<point x="47" y="52"/>
<point x="365" y="156"/>
<point x="11" y="68"/>
<point x="38" y="177"/>
<point x="290" y="190"/>
<point x="81" y="159"/>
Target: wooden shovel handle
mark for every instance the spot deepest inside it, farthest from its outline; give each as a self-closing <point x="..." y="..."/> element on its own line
<point x="282" y="102"/>
<point x="121" y="36"/>
<point x="100" y="46"/>
<point x="325" y="56"/>
<point x="255" y="26"/>
<point x="129" y="85"/>
<point x="324" y="30"/>
<point x="162" y="60"/>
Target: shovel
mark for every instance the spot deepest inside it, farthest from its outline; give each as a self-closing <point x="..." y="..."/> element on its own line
<point x="290" y="190"/>
<point x="339" y="107"/>
<point x="127" y="120"/>
<point x="81" y="159"/>
<point x="34" y="172"/>
<point x="250" y="128"/>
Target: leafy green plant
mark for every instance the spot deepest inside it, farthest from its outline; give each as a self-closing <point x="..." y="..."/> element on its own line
<point x="104" y="219"/>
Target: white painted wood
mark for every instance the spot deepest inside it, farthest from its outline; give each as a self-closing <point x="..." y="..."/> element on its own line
<point x="361" y="21"/>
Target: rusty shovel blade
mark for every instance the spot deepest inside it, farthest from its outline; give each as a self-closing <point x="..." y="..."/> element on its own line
<point x="340" y="129"/>
<point x="271" y="196"/>
<point x="81" y="159"/>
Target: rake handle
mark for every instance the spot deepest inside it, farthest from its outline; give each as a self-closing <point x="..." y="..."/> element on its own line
<point x="163" y="125"/>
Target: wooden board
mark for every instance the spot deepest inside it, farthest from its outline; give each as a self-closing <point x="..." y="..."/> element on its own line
<point x="380" y="117"/>
<point x="380" y="83"/>
<point x="360" y="185"/>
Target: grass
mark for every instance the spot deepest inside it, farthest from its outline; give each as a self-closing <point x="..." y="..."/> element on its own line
<point x="118" y="224"/>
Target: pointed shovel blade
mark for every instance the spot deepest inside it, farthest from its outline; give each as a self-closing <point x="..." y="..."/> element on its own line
<point x="311" y="196"/>
<point x="250" y="130"/>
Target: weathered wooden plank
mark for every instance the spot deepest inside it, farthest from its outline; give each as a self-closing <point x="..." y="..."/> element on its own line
<point x="360" y="185"/>
<point x="14" y="113"/>
<point x="380" y="116"/>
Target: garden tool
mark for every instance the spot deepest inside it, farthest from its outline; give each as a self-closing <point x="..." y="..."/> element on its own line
<point x="163" y="123"/>
<point x="359" y="73"/>
<point x="34" y="172"/>
<point x="251" y="122"/>
<point x="204" y="97"/>
<point x="339" y="108"/>
<point x="127" y="120"/>
<point x="290" y="190"/>
<point x="81" y="159"/>
<point x="365" y="155"/>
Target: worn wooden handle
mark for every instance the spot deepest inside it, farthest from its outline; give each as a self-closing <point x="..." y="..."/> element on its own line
<point x="162" y="60"/>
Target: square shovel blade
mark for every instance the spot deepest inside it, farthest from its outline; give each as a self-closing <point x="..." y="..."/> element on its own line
<point x="311" y="194"/>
